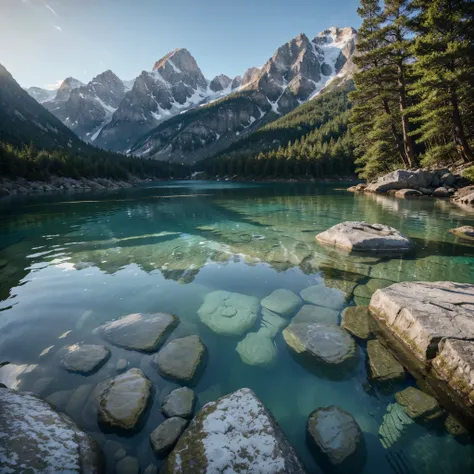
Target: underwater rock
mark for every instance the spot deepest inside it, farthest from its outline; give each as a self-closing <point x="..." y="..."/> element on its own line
<point x="180" y="359"/>
<point x="316" y="314"/>
<point x="127" y="465"/>
<point x="85" y="358"/>
<point x="77" y="401"/>
<point x="394" y="425"/>
<point x="321" y="295"/>
<point x="383" y="367"/>
<point x="179" y="402"/>
<point x="418" y="405"/>
<point x="334" y="433"/>
<point x="325" y="342"/>
<point x="59" y="399"/>
<point x="121" y="365"/>
<point x="141" y="332"/>
<point x="124" y="400"/>
<point x="375" y="284"/>
<point x="236" y="433"/>
<point x="363" y="291"/>
<point x="257" y="349"/>
<point x="356" y="320"/>
<point x="465" y="232"/>
<point x="455" y="428"/>
<point x="282" y="301"/>
<point x="359" y="301"/>
<point x="271" y="323"/>
<point x="364" y="237"/>
<point x="164" y="437"/>
<point x="37" y="438"/>
<point x="229" y="314"/>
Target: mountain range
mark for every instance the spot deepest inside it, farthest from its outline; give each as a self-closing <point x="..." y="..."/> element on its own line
<point x="173" y="113"/>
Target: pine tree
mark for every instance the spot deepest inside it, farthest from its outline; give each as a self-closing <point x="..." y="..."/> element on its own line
<point x="444" y="50"/>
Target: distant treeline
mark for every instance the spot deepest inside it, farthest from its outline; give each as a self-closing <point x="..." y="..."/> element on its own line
<point x="30" y="163"/>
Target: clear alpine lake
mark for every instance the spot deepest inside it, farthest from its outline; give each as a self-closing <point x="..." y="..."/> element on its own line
<point x="71" y="262"/>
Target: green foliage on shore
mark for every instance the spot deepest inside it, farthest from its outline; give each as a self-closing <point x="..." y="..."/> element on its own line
<point x="414" y="97"/>
<point x="312" y="141"/>
<point x="30" y="163"/>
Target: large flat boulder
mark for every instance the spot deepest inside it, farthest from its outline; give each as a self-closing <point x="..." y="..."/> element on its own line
<point x="237" y="434"/>
<point x="355" y="236"/>
<point x="403" y="179"/>
<point x="334" y="434"/>
<point x="418" y="405"/>
<point x="229" y="314"/>
<point x="321" y="295"/>
<point x="283" y="302"/>
<point x="326" y="343"/>
<point x="180" y="359"/>
<point x="257" y="348"/>
<point x="85" y="358"/>
<point x="124" y="399"/>
<point x="141" y="332"/>
<point x="35" y="438"/>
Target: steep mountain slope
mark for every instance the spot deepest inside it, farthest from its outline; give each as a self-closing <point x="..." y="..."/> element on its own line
<point x="174" y="85"/>
<point x="297" y="72"/>
<point x="64" y="91"/>
<point x="24" y="121"/>
<point x="86" y="109"/>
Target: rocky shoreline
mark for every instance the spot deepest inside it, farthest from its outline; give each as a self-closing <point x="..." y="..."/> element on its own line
<point x="438" y="183"/>
<point x="21" y="186"/>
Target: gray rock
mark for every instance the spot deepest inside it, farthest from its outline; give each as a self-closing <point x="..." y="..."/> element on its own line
<point x="335" y="434"/>
<point x="402" y="179"/>
<point x="228" y="435"/>
<point x="85" y="358"/>
<point x="316" y="314"/>
<point x="325" y="342"/>
<point x="271" y="323"/>
<point x="418" y="405"/>
<point x="356" y="236"/>
<point x="142" y="332"/>
<point x="283" y="302"/>
<point x="181" y="358"/>
<point x="179" y="402"/>
<point x="257" y="348"/>
<point x="356" y="320"/>
<point x="124" y="400"/>
<point x="443" y="192"/>
<point x="383" y="366"/>
<point x="426" y="191"/>
<point x="164" y="438"/>
<point x="448" y="179"/>
<point x="120" y="454"/>
<point x="121" y="365"/>
<point x="321" y="295"/>
<point x="228" y="313"/>
<point x="464" y="232"/>
<point x="151" y="469"/>
<point x="127" y="465"/>
<point x="403" y="193"/>
<point x="36" y="438"/>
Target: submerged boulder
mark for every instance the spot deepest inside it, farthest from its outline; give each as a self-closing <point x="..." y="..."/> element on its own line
<point x="464" y="232"/>
<point x="356" y="320"/>
<point x="334" y="434"/>
<point x="141" y="332"/>
<point x="257" y="348"/>
<point x="282" y="301"/>
<point x="229" y="314"/>
<point x="179" y="402"/>
<point x="271" y="323"/>
<point x="236" y="433"/>
<point x="326" y="343"/>
<point x="84" y="358"/>
<point x="35" y="438"/>
<point x="180" y="359"/>
<point x="383" y="367"/>
<point x="321" y="295"/>
<point x="316" y="314"/>
<point x="394" y="425"/>
<point x="418" y="405"/>
<point x="124" y="399"/>
<point x="357" y="236"/>
<point x="164" y="437"/>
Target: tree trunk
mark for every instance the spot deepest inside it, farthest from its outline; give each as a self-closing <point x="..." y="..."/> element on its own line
<point x="460" y="140"/>
<point x="407" y="140"/>
<point x="397" y="139"/>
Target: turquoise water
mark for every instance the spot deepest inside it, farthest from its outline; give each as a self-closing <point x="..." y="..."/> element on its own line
<point x="72" y="262"/>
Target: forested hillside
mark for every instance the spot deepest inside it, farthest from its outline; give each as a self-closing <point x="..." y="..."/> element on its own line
<point x="312" y="141"/>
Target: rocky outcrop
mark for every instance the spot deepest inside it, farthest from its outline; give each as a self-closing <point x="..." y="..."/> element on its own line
<point x="228" y="435"/>
<point x="334" y="434"/>
<point x="85" y="358"/>
<point x="41" y="95"/>
<point x="35" y="438"/>
<point x="364" y="237"/>
<point x="220" y="83"/>
<point x="325" y="343"/>
<point x="434" y="321"/>
<point x="230" y="314"/>
<point x="181" y="358"/>
<point x="464" y="195"/>
<point x="141" y="332"/>
<point x="124" y="400"/>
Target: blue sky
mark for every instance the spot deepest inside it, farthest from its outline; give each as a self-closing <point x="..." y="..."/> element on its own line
<point x="44" y="41"/>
